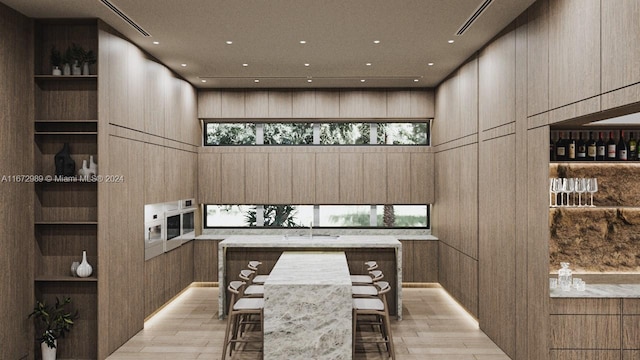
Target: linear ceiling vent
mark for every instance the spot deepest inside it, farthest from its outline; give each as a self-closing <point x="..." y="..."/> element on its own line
<point x="124" y="17"/>
<point x="476" y="14"/>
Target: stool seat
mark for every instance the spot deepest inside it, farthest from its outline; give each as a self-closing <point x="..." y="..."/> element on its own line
<point x="260" y="279"/>
<point x="254" y="290"/>
<point x="364" y="290"/>
<point x="368" y="304"/>
<point x="249" y="304"/>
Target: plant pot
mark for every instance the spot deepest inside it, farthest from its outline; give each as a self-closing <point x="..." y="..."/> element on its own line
<point x="56" y="71"/>
<point x="85" y="69"/>
<point x="66" y="69"/>
<point x="76" y="69"/>
<point x="47" y="352"/>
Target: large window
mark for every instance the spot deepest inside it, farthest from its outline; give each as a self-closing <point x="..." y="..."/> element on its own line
<point x="327" y="216"/>
<point x="326" y="133"/>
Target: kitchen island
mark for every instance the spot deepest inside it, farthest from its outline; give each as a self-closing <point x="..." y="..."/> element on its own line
<point x="236" y="251"/>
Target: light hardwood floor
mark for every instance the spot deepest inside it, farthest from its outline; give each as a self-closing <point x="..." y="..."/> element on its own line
<point x="433" y="328"/>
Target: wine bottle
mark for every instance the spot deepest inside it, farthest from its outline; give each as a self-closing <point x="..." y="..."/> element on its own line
<point x="561" y="150"/>
<point x="571" y="147"/>
<point x="591" y="147"/>
<point x="612" y="151"/>
<point x="552" y="149"/>
<point x="581" y="148"/>
<point x="601" y="148"/>
<point x="622" y="148"/>
<point x="632" y="148"/>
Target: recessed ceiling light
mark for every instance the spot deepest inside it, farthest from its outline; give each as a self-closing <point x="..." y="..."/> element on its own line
<point x="307" y="65"/>
<point x="363" y="80"/>
<point x="183" y="65"/>
<point x="229" y="42"/>
<point x="450" y="41"/>
<point x="415" y="80"/>
<point x="303" y="41"/>
<point x="309" y="80"/>
<point x="430" y="64"/>
<point x="245" y="64"/>
<point x="156" y="42"/>
<point x="256" y="80"/>
<point x="203" y="80"/>
<point x="376" y="41"/>
<point x="368" y="64"/>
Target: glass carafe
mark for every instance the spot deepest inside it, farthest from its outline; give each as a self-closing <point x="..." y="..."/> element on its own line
<point x="565" y="278"/>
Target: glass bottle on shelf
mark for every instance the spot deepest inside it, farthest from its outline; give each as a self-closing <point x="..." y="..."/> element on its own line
<point x="632" y="148"/>
<point x="581" y="148"/>
<point x="601" y="148"/>
<point x="622" y="148"/>
<point x="561" y="150"/>
<point x="612" y="151"/>
<point x="591" y="147"/>
<point x="552" y="149"/>
<point x="571" y="148"/>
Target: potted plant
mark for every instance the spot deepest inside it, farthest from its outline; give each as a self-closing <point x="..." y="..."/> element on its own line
<point x="77" y="54"/>
<point x="88" y="58"/>
<point x="52" y="322"/>
<point x="56" y="61"/>
<point x="67" y="59"/>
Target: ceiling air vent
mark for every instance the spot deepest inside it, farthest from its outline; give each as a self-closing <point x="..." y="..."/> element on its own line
<point x="476" y="14"/>
<point x="124" y="17"/>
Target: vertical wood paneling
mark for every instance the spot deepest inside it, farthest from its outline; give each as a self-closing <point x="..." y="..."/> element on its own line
<point x="468" y="200"/>
<point x="280" y="178"/>
<point x="620" y="44"/>
<point x="303" y="184"/>
<point x="351" y="178"/>
<point x="586" y="355"/>
<point x="538" y="58"/>
<point x="351" y="104"/>
<point x="154" y="99"/>
<point x="280" y="104"/>
<point x="172" y="182"/>
<point x="135" y="75"/>
<point x="190" y="131"/>
<point x="256" y="104"/>
<point x="496" y="81"/>
<point x="154" y="170"/>
<point x="468" y="98"/>
<point x="422" y="104"/>
<point x="173" y="110"/>
<point x="303" y="104"/>
<point x="256" y="181"/>
<point x="497" y="170"/>
<point x="374" y="104"/>
<point x="585" y="331"/>
<point x="327" y="104"/>
<point x="17" y="233"/>
<point x="205" y="260"/>
<point x="421" y="178"/>
<point x="327" y="178"/>
<point x="398" y="104"/>
<point x="209" y="104"/>
<point x="468" y="296"/>
<point x="398" y="174"/>
<point x="232" y="178"/>
<point x="209" y="178"/>
<point x="375" y="172"/>
<point x="232" y="104"/>
<point x="574" y="51"/>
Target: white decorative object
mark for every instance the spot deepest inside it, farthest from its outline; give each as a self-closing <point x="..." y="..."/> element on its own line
<point x="74" y="268"/>
<point x="84" y="269"/>
<point x="84" y="171"/>
<point x="85" y="69"/>
<point x="66" y="69"/>
<point x="75" y="69"/>
<point x="93" y="167"/>
<point x="47" y="352"/>
<point x="56" y="71"/>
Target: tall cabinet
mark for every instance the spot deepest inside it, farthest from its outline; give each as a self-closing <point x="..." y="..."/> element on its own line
<point x="66" y="216"/>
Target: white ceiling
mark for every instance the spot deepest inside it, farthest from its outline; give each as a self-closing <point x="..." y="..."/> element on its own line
<point x="266" y="35"/>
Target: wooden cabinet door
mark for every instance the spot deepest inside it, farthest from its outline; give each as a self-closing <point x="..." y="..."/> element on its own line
<point x="154" y="174"/>
<point x="620" y="44"/>
<point x="351" y="178"/>
<point x="327" y="178"/>
<point x="398" y="178"/>
<point x="256" y="182"/>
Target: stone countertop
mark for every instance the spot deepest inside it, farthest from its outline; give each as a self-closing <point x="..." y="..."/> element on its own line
<point x="600" y="291"/>
<point x="276" y="241"/>
<point x="320" y="268"/>
<point x="398" y="237"/>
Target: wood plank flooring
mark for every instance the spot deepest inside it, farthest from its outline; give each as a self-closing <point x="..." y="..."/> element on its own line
<point x="434" y="327"/>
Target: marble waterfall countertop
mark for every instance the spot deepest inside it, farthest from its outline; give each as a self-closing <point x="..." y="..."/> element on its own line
<point x="600" y="291"/>
<point x="320" y="241"/>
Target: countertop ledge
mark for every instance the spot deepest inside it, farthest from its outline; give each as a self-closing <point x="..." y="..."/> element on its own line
<point x="610" y="291"/>
<point x="398" y="237"/>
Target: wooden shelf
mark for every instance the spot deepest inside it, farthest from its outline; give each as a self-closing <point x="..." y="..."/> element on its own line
<point x="64" y="223"/>
<point x="62" y="278"/>
<point x="596" y="163"/>
<point x="66" y="133"/>
<point x="64" y="121"/>
<point x="65" y="77"/>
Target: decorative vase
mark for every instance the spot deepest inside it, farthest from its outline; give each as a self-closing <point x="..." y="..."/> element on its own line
<point x="84" y="269"/>
<point x="74" y="268"/>
<point x="65" y="165"/>
<point x="47" y="352"/>
<point x="75" y="69"/>
<point x="66" y="69"/>
<point x="85" y="69"/>
<point x="56" y="71"/>
<point x="93" y="167"/>
<point x="84" y="171"/>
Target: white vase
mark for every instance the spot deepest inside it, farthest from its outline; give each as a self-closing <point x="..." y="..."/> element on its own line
<point x="93" y="167"/>
<point x="84" y="269"/>
<point x="74" y="268"/>
<point x="56" y="71"/>
<point x="75" y="68"/>
<point x="66" y="69"/>
<point x="83" y="172"/>
<point x="85" y="69"/>
<point x="47" y="352"/>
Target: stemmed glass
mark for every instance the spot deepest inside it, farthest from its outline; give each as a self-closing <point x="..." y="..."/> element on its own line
<point x="557" y="189"/>
<point x="568" y="185"/>
<point x="592" y="186"/>
<point x="581" y="187"/>
<point x="552" y="192"/>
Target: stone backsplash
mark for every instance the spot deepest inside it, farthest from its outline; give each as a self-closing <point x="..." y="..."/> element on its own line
<point x="596" y="239"/>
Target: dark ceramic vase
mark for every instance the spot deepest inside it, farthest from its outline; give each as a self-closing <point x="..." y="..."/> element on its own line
<point x="65" y="166"/>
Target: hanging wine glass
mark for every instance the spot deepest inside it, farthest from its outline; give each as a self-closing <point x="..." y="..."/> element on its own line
<point x="581" y="187"/>
<point x="557" y="189"/>
<point x="552" y="193"/>
<point x="568" y="185"/>
<point x="592" y="187"/>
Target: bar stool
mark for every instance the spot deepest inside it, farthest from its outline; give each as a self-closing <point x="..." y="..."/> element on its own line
<point x="251" y="290"/>
<point x="374" y="275"/>
<point x="239" y="308"/>
<point x="258" y="279"/>
<point x="380" y="310"/>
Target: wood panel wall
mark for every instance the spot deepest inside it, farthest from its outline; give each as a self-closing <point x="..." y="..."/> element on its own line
<point x="148" y="133"/>
<point x="322" y="104"/>
<point x="316" y="175"/>
<point x="16" y="199"/>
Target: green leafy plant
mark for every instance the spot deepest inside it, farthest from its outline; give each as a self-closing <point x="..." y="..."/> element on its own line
<point x="53" y="321"/>
<point x="274" y="216"/>
<point x="56" y="57"/>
